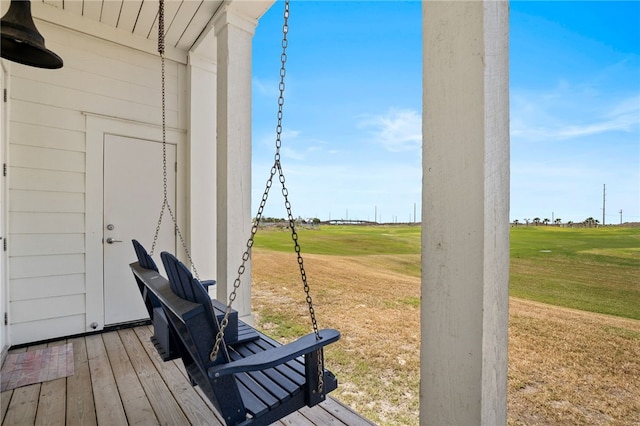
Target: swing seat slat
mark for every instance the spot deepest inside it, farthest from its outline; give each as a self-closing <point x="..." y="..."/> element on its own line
<point x="252" y="382"/>
<point x="287" y="378"/>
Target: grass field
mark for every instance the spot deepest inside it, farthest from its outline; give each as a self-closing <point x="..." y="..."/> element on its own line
<point x="591" y="269"/>
<point x="565" y="366"/>
<point x="345" y="240"/>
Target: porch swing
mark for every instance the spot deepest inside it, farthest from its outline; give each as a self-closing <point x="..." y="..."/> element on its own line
<point x="248" y="377"/>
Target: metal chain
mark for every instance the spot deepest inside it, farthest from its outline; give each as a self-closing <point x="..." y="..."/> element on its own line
<point x="165" y="201"/>
<point x="276" y="168"/>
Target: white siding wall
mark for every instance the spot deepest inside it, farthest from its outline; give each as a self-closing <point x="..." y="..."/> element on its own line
<point x="47" y="168"/>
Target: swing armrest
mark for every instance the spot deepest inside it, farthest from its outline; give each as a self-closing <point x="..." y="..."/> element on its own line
<point x="276" y="356"/>
<point x="208" y="283"/>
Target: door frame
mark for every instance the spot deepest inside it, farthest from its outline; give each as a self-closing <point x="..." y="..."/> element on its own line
<point x="5" y="333"/>
<point x="97" y="126"/>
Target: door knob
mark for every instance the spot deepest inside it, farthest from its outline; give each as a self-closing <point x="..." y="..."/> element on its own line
<point x="111" y="241"/>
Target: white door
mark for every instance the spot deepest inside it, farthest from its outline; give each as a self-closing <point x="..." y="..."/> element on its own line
<point x="133" y="197"/>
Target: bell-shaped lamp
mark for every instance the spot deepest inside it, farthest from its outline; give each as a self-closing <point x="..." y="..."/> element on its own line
<point x="21" y="41"/>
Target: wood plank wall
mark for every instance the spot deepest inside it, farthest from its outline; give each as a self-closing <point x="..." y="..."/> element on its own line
<point x="47" y="168"/>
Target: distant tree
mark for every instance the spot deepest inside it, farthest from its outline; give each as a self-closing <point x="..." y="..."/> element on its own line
<point x="570" y="223"/>
<point x="590" y="221"/>
<point x="557" y="221"/>
<point x="536" y="221"/>
<point x="527" y="220"/>
<point x="516" y="222"/>
<point x="545" y="221"/>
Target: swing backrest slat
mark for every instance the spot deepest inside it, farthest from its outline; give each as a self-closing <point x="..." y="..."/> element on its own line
<point x="145" y="260"/>
<point x="187" y="287"/>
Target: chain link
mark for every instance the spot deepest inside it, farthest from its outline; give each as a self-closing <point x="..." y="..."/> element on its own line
<point x="165" y="200"/>
<point x="275" y="169"/>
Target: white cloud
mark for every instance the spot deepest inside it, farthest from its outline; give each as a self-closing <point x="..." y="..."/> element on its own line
<point x="295" y="145"/>
<point x="266" y="88"/>
<point x="564" y="114"/>
<point x="397" y="130"/>
<point x="624" y="116"/>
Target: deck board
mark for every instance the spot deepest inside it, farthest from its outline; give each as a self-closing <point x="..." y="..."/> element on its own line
<point x="80" y="408"/>
<point x="166" y="408"/>
<point x="109" y="408"/>
<point x="296" y="419"/>
<point x="52" y="401"/>
<point x="23" y="406"/>
<point x="197" y="411"/>
<point x="5" y="397"/>
<point x="134" y="399"/>
<point x="320" y="417"/>
<point x="120" y="379"/>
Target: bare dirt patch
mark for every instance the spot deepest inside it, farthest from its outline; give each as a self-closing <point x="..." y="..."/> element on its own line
<point x="565" y="366"/>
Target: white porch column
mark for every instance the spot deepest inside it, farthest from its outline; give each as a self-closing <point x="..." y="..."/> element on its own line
<point x="234" y="33"/>
<point x="465" y="234"/>
<point x="202" y="164"/>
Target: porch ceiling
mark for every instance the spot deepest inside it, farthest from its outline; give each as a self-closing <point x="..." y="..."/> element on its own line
<point x="185" y="20"/>
<point x="135" y="22"/>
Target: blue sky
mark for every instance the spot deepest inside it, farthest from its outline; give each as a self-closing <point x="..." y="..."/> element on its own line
<point x="353" y="102"/>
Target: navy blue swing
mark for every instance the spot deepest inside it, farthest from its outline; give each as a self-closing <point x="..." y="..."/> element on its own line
<point x="251" y="380"/>
<point x="249" y="377"/>
<point x="161" y="338"/>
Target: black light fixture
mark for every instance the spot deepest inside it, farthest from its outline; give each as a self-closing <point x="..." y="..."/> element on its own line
<point x="21" y="41"/>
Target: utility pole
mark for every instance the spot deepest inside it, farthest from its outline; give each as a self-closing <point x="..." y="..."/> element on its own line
<point x="604" y="187"/>
<point x="620" y="216"/>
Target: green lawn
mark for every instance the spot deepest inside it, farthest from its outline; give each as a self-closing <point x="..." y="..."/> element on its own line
<point x="345" y="240"/>
<point x="591" y="269"/>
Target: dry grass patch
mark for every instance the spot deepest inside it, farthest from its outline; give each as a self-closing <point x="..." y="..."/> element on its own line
<point x="572" y="367"/>
<point x="565" y="366"/>
<point x="377" y="358"/>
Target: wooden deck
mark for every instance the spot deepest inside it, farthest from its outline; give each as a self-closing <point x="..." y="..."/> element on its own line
<point x="120" y="379"/>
